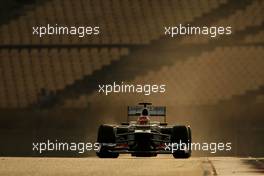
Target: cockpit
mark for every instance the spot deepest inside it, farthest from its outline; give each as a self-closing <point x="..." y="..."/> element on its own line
<point x="144" y="118"/>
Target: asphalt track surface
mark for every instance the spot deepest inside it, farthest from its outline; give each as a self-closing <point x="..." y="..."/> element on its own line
<point x="131" y="166"/>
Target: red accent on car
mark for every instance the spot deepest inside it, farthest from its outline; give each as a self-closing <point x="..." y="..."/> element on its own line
<point x="143" y="120"/>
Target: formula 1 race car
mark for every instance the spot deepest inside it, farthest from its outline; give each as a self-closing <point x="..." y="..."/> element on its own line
<point x="144" y="137"/>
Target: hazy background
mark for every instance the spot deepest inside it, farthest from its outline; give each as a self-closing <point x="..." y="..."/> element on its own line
<point x="48" y="86"/>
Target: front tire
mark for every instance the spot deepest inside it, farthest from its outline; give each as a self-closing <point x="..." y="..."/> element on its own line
<point x="106" y="135"/>
<point x="181" y="135"/>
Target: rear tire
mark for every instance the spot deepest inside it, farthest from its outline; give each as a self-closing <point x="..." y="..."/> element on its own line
<point x="181" y="135"/>
<point x="106" y="134"/>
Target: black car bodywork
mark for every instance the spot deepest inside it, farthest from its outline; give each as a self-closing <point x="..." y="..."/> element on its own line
<point x="148" y="139"/>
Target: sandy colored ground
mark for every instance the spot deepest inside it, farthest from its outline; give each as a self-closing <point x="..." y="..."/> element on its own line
<point x="126" y="165"/>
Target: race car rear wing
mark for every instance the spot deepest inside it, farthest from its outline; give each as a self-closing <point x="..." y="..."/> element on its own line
<point x="152" y="110"/>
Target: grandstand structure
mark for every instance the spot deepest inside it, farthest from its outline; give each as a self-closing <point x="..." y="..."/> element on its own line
<point x="63" y="72"/>
<point x="30" y="63"/>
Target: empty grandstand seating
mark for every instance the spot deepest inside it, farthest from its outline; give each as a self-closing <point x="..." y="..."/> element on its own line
<point x="255" y="38"/>
<point x="203" y="80"/>
<point x="29" y="63"/>
<point x="240" y="20"/>
<point x="24" y="72"/>
<point x="121" y="21"/>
